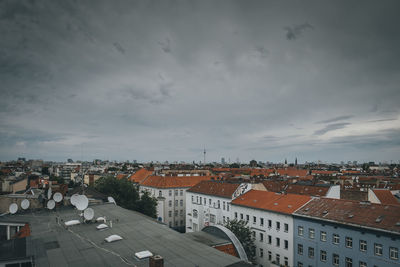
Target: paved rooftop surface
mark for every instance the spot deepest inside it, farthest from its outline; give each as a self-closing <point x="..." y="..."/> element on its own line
<point x="83" y="245"/>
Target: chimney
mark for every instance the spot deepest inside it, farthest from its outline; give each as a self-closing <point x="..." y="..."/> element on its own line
<point x="156" y="261"/>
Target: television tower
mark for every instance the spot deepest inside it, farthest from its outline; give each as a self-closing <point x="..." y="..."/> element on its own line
<point x="204" y="162"/>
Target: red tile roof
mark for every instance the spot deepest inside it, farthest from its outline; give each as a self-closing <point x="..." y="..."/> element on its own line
<point x="385" y="197"/>
<point x="265" y="172"/>
<point x="307" y="190"/>
<point x="140" y="175"/>
<point x="362" y="214"/>
<point x="321" y="172"/>
<point x="215" y="188"/>
<point x="275" y="186"/>
<point x="293" y="172"/>
<point x="283" y="203"/>
<point x="121" y="176"/>
<point x="173" y="181"/>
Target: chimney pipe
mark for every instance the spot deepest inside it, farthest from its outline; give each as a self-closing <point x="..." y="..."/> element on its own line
<point x="156" y="261"/>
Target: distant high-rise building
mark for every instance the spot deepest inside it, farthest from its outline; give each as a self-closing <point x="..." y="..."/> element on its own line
<point x="295" y="162"/>
<point x="223" y="161"/>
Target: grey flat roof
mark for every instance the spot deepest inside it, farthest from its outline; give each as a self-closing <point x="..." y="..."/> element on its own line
<point x="83" y="245"/>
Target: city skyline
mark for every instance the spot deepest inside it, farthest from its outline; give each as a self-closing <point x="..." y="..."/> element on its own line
<point x="159" y="81"/>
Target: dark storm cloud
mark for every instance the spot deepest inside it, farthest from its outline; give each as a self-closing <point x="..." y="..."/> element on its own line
<point x="331" y="127"/>
<point x="155" y="80"/>
<point x="294" y="32"/>
<point x="339" y="118"/>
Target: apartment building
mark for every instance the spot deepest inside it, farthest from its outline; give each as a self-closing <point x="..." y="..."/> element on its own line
<point x="170" y="192"/>
<point x="209" y="203"/>
<point x="335" y="232"/>
<point x="269" y="216"/>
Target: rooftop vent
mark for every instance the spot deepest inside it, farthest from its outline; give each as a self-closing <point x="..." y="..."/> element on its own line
<point x="307" y="209"/>
<point x="143" y="254"/>
<point x="113" y="238"/>
<point x="102" y="226"/>
<point x="276" y="204"/>
<point x="325" y="212"/>
<point x="351" y="216"/>
<point x="289" y="206"/>
<point x="72" y="222"/>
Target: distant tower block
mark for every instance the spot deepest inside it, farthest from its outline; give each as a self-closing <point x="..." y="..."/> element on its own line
<point x="204" y="162"/>
<point x="295" y="162"/>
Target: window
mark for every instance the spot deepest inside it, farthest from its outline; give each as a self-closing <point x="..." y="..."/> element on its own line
<point x="241" y="216"/>
<point x="278" y="226"/>
<point x="278" y="259"/>
<point x="261" y="237"/>
<point x="363" y="245"/>
<point x="394" y="253"/>
<point x="176" y="192"/>
<point x="349" y="242"/>
<point x="181" y="212"/>
<point x="170" y="213"/>
<point x="269" y="255"/>
<point x="253" y="233"/>
<point x="261" y="253"/>
<point x="236" y="215"/>
<point x="176" y="212"/>
<point x="212" y="218"/>
<point x="181" y="192"/>
<point x="201" y="200"/>
<point x="219" y="204"/>
<point x="299" y="264"/>
<point x="286" y="261"/>
<point x="197" y="199"/>
<point x="323" y="236"/>
<point x="209" y="202"/>
<point x="223" y="219"/>
<point x="349" y="262"/>
<point x="311" y="233"/>
<point x="310" y="252"/>
<point x="160" y="193"/>
<point x="170" y="203"/>
<point x="322" y="255"/>
<point x="363" y="264"/>
<point x="192" y="199"/>
<point x="176" y="202"/>
<point x="378" y="249"/>
<point x="205" y="201"/>
<point x="194" y="213"/>
<point x="247" y="218"/>
<point x="170" y="193"/>
<point x="269" y="223"/>
<point x="262" y="221"/>
<point x="176" y="223"/>
<point x="269" y="239"/>
<point x="223" y="205"/>
<point x="181" y="202"/>
<point x="300" y="230"/>
<point x="335" y="259"/>
<point x="300" y="249"/>
<point x="335" y="239"/>
<point x="254" y="219"/>
<point x="286" y="227"/>
<point x="278" y="241"/>
<point x="286" y="244"/>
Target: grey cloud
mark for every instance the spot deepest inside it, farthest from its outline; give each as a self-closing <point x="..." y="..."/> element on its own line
<point x="119" y="48"/>
<point x="383" y="120"/>
<point x="165" y="45"/>
<point x="294" y="32"/>
<point x="331" y="127"/>
<point x="339" y="118"/>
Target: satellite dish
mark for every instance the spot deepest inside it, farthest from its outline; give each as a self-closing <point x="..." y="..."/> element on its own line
<point x="25" y="204"/>
<point x="82" y="202"/>
<point x="74" y="199"/>
<point x="13" y="208"/>
<point x="88" y="214"/>
<point x="111" y="200"/>
<point x="51" y="204"/>
<point x="57" y="197"/>
<point x="49" y="192"/>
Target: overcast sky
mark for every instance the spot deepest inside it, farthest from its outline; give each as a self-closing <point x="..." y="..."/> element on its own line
<point x="161" y="80"/>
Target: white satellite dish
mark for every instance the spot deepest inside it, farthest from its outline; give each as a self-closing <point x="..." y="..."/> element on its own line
<point x="82" y="202"/>
<point x="25" y="204"/>
<point x="88" y="214"/>
<point x="49" y="192"/>
<point x="13" y="208"/>
<point x="57" y="197"/>
<point x="51" y="204"/>
<point x="74" y="199"/>
<point x="111" y="200"/>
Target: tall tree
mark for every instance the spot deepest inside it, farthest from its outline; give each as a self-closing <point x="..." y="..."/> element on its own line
<point x="126" y="194"/>
<point x="245" y="236"/>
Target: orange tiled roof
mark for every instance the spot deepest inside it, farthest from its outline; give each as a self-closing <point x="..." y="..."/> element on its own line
<point x="265" y="172"/>
<point x="386" y="217"/>
<point x="121" y="176"/>
<point x="275" y="186"/>
<point x="173" y="181"/>
<point x="307" y="190"/>
<point x="215" y="188"/>
<point x="140" y="175"/>
<point x="323" y="172"/>
<point x="283" y="203"/>
<point x="386" y="197"/>
<point x="292" y="172"/>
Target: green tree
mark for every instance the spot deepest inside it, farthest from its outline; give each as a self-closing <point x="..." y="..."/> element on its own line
<point x="126" y="194"/>
<point x="245" y="236"/>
